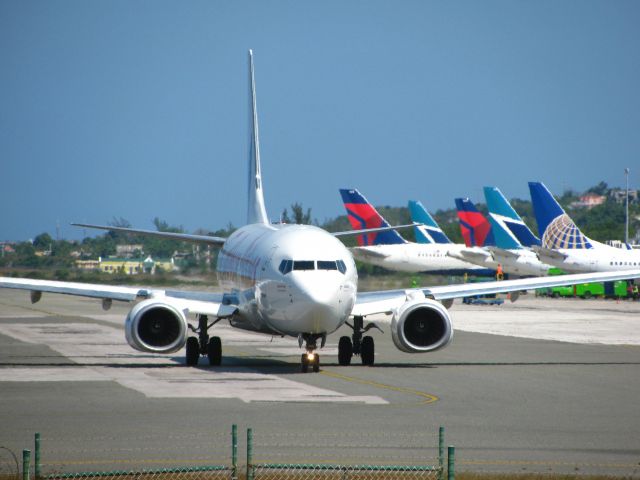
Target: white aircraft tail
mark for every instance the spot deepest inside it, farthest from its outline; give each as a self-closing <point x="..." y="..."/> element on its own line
<point x="256" y="211"/>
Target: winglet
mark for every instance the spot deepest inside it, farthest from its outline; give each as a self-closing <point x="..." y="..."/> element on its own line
<point x="256" y="211"/>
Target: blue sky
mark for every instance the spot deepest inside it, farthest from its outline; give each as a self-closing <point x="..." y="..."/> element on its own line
<point x="139" y="109"/>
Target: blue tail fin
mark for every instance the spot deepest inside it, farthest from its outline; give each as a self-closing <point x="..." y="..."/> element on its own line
<point x="475" y="228"/>
<point x="506" y="222"/>
<point x="363" y="215"/>
<point x="555" y="227"/>
<point x="429" y="231"/>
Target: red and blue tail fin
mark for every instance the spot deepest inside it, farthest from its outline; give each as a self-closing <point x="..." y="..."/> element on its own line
<point x="363" y="215"/>
<point x="475" y="228"/>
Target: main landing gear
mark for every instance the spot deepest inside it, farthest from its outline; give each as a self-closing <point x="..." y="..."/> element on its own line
<point x="310" y="358"/>
<point x="357" y="344"/>
<point x="204" y="345"/>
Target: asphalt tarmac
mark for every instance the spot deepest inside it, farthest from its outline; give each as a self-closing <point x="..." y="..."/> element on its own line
<point x="540" y="385"/>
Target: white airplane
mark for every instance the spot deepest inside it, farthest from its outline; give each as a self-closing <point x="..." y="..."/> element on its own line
<point x="566" y="247"/>
<point x="434" y="253"/>
<point x="504" y="248"/>
<point x="294" y="280"/>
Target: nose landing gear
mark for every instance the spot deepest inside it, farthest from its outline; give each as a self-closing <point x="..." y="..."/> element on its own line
<point x="310" y="358"/>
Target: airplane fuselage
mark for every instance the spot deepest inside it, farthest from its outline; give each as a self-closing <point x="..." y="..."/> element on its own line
<point x="289" y="279"/>
<point x="601" y="258"/>
<point x="419" y="257"/>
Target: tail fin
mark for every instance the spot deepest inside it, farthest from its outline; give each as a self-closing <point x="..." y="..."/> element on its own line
<point x="555" y="227"/>
<point x="429" y="231"/>
<point x="256" y="211"/>
<point x="475" y="228"/>
<point x="363" y="215"/>
<point x="507" y="225"/>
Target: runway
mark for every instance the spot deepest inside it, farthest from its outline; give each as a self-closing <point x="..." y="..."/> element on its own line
<point x="535" y="386"/>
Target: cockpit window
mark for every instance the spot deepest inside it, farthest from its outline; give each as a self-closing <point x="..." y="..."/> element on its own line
<point x="341" y="266"/>
<point x="327" y="265"/>
<point x="285" y="266"/>
<point x="304" y="265"/>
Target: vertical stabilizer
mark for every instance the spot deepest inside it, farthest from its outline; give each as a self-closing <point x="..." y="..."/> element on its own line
<point x="256" y="211"/>
<point x="555" y="227"/>
<point x="363" y="215"/>
<point x="502" y="213"/>
<point x="475" y="228"/>
<point x="429" y="231"/>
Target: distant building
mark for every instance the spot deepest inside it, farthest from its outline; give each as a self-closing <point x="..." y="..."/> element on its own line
<point x="128" y="266"/>
<point x="620" y="196"/>
<point x="589" y="200"/>
<point x="128" y="251"/>
<point x="88" y="264"/>
<point x="6" y="248"/>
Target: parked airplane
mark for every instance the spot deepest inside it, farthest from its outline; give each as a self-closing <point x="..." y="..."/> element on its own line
<point x="513" y="238"/>
<point x="294" y="280"/>
<point x="390" y="250"/>
<point x="501" y="248"/>
<point x="427" y="229"/>
<point x="566" y="247"/>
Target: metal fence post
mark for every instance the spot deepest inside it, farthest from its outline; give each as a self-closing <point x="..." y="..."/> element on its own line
<point x="441" y="452"/>
<point x="36" y="455"/>
<point x="26" y="464"/>
<point x="234" y="450"/>
<point x="249" y="454"/>
<point x="451" y="470"/>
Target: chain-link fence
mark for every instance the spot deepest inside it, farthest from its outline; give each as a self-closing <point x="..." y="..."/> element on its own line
<point x="342" y="472"/>
<point x="9" y="465"/>
<point x="186" y="473"/>
<point x="154" y="450"/>
<point x="417" y="456"/>
<point x="403" y="461"/>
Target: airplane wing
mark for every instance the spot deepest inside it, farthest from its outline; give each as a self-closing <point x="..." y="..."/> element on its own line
<point x="205" y="303"/>
<point x="369" y="303"/>
<point x="548" y="253"/>
<point x="185" y="237"/>
<point x="373" y="230"/>
<point x="219" y="241"/>
<point x="472" y="255"/>
<point x="502" y="254"/>
<point x="363" y="252"/>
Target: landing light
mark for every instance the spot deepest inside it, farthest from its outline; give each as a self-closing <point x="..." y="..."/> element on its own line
<point x="311" y="356"/>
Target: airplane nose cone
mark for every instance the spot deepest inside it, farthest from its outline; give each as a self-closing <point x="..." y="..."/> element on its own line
<point x="322" y="305"/>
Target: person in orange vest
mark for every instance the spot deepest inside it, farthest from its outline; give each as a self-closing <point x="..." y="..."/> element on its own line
<point x="499" y="273"/>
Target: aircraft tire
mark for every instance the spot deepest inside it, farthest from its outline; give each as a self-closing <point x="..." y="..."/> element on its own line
<point x="304" y="363"/>
<point x="316" y="364"/>
<point x="368" y="351"/>
<point x="345" y="351"/>
<point x="193" y="351"/>
<point x="214" y="351"/>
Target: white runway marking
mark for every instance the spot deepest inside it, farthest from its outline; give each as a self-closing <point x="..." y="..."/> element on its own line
<point x="101" y="348"/>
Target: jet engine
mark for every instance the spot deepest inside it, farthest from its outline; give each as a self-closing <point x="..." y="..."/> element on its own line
<point x="421" y="325"/>
<point x="157" y="326"/>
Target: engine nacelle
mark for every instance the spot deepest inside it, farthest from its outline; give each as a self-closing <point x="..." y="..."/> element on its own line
<point x="157" y="326"/>
<point x="421" y="325"/>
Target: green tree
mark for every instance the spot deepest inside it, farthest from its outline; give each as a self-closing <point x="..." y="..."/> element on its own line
<point x="43" y="241"/>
